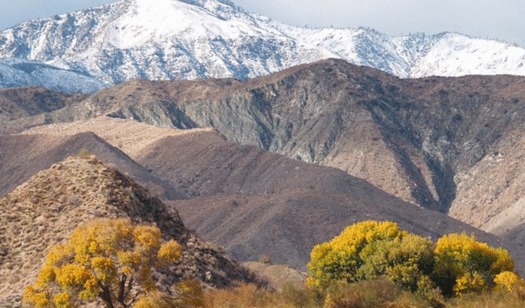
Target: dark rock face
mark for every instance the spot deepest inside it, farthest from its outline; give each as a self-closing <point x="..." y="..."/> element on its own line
<point x="409" y="137"/>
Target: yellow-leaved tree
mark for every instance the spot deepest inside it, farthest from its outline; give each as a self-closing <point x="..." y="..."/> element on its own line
<point x="464" y="265"/>
<point x="457" y="263"/>
<point x="107" y="259"/>
<point x="371" y="249"/>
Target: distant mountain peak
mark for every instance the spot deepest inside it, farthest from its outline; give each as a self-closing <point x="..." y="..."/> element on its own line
<point x="189" y="39"/>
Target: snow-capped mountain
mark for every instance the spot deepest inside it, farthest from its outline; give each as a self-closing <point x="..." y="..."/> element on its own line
<point x="187" y="39"/>
<point x="23" y="73"/>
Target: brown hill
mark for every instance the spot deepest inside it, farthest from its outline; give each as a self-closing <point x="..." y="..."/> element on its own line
<point x="129" y="136"/>
<point x="17" y="104"/>
<point x="43" y="211"/>
<point x="417" y="139"/>
<point x="259" y="203"/>
<point x="410" y="138"/>
<point x="255" y="202"/>
<point x="421" y="132"/>
<point x="449" y="144"/>
<point x="22" y="102"/>
<point x="23" y="156"/>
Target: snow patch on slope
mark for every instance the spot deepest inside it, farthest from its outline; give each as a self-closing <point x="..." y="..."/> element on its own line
<point x="23" y="73"/>
<point x="458" y="55"/>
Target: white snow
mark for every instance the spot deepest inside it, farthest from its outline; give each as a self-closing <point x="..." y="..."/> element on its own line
<point x="23" y="73"/>
<point x="172" y="39"/>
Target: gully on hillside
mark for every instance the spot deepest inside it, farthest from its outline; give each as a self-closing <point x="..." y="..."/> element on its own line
<point x="434" y="142"/>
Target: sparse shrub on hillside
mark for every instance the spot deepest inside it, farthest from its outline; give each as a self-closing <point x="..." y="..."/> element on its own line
<point x="107" y="259"/>
<point x="369" y="250"/>
<point x="155" y="300"/>
<point x="464" y="265"/>
<point x="302" y="296"/>
<point x="493" y="299"/>
<point x="244" y="296"/>
<point x="84" y="153"/>
<point x="370" y="294"/>
<point x="265" y="260"/>
<point x="250" y="295"/>
<point x="189" y="294"/>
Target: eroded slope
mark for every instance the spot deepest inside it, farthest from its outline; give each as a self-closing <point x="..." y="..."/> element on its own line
<point x="45" y="209"/>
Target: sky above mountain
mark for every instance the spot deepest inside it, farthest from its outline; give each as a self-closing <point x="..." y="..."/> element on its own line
<point x="493" y="19"/>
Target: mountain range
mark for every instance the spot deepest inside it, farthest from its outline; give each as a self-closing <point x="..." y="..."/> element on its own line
<point x="190" y="39"/>
<point x="449" y="145"/>
<point x="249" y="202"/>
<point x="264" y="138"/>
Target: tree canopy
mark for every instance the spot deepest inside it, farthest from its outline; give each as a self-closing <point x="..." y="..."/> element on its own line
<point x="457" y="263"/>
<point x="371" y="249"/>
<point x="107" y="259"/>
<point x="465" y="265"/>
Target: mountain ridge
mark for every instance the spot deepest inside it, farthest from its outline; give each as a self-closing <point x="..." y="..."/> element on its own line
<point x="171" y="39"/>
<point x="421" y="140"/>
<point x="253" y="202"/>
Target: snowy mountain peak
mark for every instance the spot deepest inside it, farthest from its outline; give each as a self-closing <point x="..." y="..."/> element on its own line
<point x="145" y="22"/>
<point x="187" y="39"/>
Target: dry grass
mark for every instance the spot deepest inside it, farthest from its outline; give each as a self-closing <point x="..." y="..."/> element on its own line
<point x="496" y="299"/>
<point x="278" y="276"/>
<point x="368" y="294"/>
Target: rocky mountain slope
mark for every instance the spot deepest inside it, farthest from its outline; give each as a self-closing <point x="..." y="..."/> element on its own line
<point x="256" y="203"/>
<point x="189" y="39"/>
<point x="16" y="103"/>
<point x="43" y="211"/>
<point x="442" y="143"/>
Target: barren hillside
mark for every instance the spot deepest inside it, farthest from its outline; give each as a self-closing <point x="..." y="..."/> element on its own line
<point x="23" y="156"/>
<point x="428" y="141"/>
<point x="254" y="202"/>
<point x="45" y="209"/>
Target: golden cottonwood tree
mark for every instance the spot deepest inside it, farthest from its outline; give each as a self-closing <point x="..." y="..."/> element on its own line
<point x="465" y="265"/>
<point x="457" y="263"/>
<point x="371" y="249"/>
<point x="106" y="259"/>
